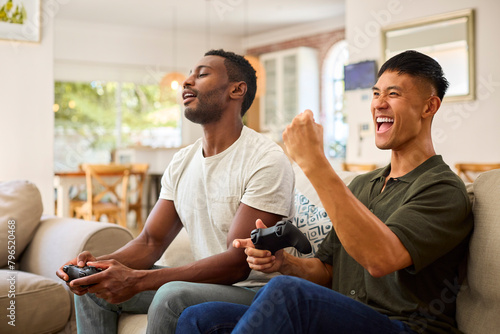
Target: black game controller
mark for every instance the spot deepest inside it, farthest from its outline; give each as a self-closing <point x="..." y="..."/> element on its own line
<point x="75" y="272"/>
<point x="283" y="234"/>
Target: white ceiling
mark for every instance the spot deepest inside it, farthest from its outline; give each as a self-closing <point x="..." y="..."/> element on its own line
<point x="237" y="18"/>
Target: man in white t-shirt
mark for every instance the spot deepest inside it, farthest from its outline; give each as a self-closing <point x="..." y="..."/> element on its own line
<point x="216" y="189"/>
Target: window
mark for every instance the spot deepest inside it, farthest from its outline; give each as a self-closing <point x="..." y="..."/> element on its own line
<point x="335" y="118"/>
<point x="92" y="119"/>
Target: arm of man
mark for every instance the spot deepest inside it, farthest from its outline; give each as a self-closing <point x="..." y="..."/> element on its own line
<point x="162" y="226"/>
<point x="118" y="282"/>
<point x="311" y="269"/>
<point x="365" y="237"/>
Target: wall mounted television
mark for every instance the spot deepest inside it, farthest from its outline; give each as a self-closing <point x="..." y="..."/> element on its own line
<point x="360" y="75"/>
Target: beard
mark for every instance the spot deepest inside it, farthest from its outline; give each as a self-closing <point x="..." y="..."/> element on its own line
<point x="209" y="107"/>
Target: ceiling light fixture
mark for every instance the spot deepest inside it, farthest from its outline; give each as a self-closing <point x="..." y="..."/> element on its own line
<point x="253" y="60"/>
<point x="171" y="82"/>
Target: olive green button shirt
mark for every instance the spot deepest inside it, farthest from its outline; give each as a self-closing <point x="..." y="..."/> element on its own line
<point x="430" y="212"/>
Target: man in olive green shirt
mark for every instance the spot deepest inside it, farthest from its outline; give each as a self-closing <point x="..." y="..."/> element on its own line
<point x="425" y="208"/>
<point x="391" y="262"/>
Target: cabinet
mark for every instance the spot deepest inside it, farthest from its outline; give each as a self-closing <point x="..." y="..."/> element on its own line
<point x="292" y="85"/>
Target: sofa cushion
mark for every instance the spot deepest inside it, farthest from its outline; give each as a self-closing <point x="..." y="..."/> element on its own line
<point x="478" y="304"/>
<point x="20" y="212"/>
<point x="35" y="303"/>
<point x="58" y="240"/>
<point x="132" y="323"/>
<point x="178" y="253"/>
<point x="303" y="184"/>
<point x="311" y="220"/>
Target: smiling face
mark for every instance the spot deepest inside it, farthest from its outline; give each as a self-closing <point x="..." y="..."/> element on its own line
<point x="398" y="107"/>
<point x="205" y="94"/>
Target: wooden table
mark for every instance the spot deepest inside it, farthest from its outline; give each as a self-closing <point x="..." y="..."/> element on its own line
<point x="63" y="181"/>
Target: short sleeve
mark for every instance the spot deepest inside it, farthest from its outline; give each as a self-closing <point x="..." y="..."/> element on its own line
<point x="174" y="170"/>
<point x="271" y="185"/>
<point x="326" y="248"/>
<point x="432" y="223"/>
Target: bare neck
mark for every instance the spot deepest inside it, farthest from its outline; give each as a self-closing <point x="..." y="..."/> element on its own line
<point x="403" y="162"/>
<point x="217" y="137"/>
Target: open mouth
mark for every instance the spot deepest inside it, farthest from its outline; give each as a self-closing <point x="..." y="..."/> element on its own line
<point x="188" y="96"/>
<point x="384" y="124"/>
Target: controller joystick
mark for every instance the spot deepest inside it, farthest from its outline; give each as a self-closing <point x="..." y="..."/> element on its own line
<point x="75" y="272"/>
<point x="283" y="234"/>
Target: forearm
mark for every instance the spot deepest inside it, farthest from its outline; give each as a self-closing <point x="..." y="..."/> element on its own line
<point x="311" y="269"/>
<point x="148" y="247"/>
<point x="224" y="268"/>
<point x="366" y="238"/>
<point x="136" y="254"/>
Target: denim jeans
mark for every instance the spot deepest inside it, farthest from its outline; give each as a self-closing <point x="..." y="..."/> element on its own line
<point x="289" y="305"/>
<point x="163" y="307"/>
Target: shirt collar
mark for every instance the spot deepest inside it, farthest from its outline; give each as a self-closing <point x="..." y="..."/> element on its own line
<point x="411" y="176"/>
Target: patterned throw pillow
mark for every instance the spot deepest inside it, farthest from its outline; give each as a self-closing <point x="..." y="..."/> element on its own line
<point x="312" y="221"/>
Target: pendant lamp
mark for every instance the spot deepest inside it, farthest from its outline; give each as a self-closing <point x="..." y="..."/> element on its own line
<point x="171" y="83"/>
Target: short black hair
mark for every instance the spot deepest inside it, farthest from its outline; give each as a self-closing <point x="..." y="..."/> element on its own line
<point x="419" y="65"/>
<point x="239" y="69"/>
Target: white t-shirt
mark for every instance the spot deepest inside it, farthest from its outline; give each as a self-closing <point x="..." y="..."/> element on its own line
<point x="208" y="191"/>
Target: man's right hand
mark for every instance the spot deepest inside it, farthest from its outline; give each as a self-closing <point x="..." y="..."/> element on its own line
<point x="260" y="259"/>
<point x="80" y="261"/>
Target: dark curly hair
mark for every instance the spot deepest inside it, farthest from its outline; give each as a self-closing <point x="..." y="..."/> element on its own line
<point x="418" y="65"/>
<point x="239" y="69"/>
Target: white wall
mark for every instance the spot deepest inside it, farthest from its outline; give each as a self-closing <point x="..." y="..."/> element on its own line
<point x="27" y="122"/>
<point x="462" y="132"/>
<point x="88" y="51"/>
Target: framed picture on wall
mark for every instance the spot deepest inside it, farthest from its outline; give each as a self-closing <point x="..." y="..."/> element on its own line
<point x="20" y="20"/>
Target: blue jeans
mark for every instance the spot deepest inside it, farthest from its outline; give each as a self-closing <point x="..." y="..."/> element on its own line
<point x="163" y="307"/>
<point x="289" y="305"/>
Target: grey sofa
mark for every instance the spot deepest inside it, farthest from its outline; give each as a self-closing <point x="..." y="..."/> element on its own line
<point x="44" y="305"/>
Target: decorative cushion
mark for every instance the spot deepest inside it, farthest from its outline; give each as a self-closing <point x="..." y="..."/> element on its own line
<point x="178" y="253"/>
<point x="40" y="305"/>
<point x="303" y="184"/>
<point x="311" y="220"/>
<point x="478" y="303"/>
<point x="20" y="212"/>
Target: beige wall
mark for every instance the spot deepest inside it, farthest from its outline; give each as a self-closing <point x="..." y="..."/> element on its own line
<point x="462" y="131"/>
<point x="26" y="116"/>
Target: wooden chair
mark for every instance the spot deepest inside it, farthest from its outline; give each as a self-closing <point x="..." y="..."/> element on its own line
<point x="139" y="173"/>
<point x="469" y="171"/>
<point x="107" y="191"/>
<point x="78" y="199"/>
<point x="358" y="167"/>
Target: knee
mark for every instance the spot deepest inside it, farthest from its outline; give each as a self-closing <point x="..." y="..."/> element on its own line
<point x="90" y="300"/>
<point x="171" y="296"/>
<point x="167" y="305"/>
<point x="283" y="281"/>
<point x="286" y="284"/>
<point x="283" y="290"/>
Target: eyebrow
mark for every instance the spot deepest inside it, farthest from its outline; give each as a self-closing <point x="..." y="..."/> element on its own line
<point x="388" y="88"/>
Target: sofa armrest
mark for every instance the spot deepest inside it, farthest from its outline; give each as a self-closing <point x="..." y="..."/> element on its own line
<point x="58" y="240"/>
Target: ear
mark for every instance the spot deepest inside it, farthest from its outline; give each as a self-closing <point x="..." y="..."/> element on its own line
<point x="238" y="90"/>
<point x="432" y="107"/>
